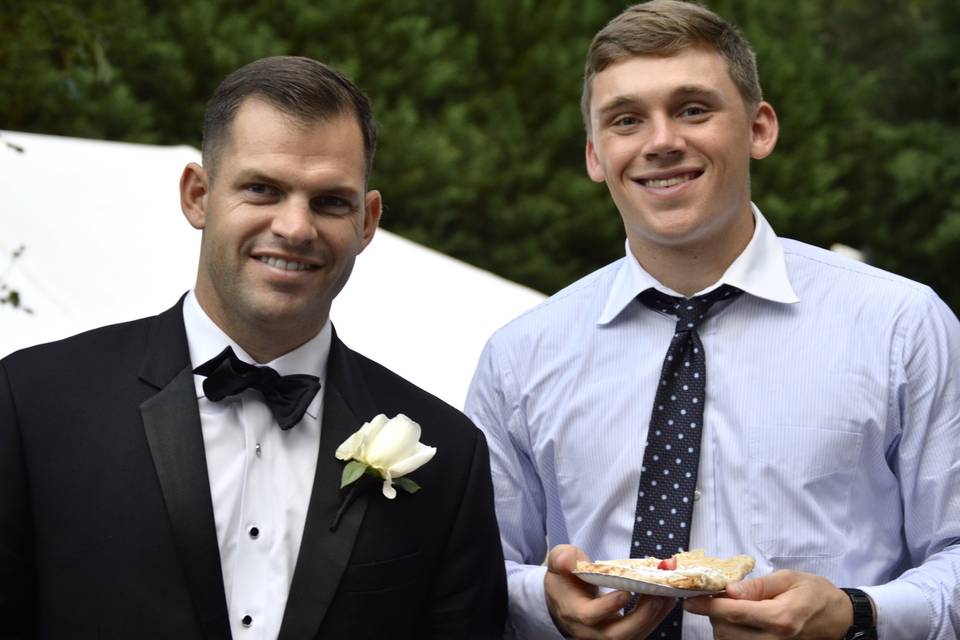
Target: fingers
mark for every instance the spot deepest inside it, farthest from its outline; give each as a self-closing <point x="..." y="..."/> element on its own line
<point x="574" y="605"/>
<point x="563" y="558"/>
<point x="763" y="588"/>
<point x="739" y="612"/>
<point x="636" y="625"/>
<point x="565" y="591"/>
<point x="600" y="610"/>
<point x="578" y="611"/>
<point x="749" y="604"/>
<point x="786" y="604"/>
<point x="726" y="631"/>
<point x="640" y="622"/>
<point x="702" y="606"/>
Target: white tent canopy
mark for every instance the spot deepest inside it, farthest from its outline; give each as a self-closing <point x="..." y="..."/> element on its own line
<point x="105" y="242"/>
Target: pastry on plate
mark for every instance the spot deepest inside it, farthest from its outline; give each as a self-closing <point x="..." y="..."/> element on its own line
<point x="688" y="570"/>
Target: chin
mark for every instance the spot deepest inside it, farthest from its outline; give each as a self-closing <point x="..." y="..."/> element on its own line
<point x="272" y="310"/>
<point x="674" y="235"/>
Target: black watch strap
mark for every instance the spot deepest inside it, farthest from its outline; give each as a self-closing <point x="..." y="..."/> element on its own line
<point x="863" y="626"/>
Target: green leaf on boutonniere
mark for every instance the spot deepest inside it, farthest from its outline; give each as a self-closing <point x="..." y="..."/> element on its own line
<point x="407" y="485"/>
<point x="352" y="472"/>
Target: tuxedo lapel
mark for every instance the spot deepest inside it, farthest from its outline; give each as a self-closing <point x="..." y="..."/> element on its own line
<point x="171" y="421"/>
<point x="324" y="553"/>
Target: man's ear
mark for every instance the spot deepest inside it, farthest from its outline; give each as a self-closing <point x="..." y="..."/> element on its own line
<point x="372" y="209"/>
<point x="763" y="131"/>
<point x="594" y="169"/>
<point x="194" y="187"/>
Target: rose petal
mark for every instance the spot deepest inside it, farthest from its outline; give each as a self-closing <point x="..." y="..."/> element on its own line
<point x="388" y="489"/>
<point x="368" y="433"/>
<point x="395" y="441"/>
<point x="350" y="448"/>
<point x="420" y="457"/>
<point x="372" y="428"/>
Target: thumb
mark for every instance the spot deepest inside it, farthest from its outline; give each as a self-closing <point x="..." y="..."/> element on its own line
<point x="563" y="558"/>
<point x="762" y="588"/>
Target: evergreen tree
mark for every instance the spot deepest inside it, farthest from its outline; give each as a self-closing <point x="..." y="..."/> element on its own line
<point x="481" y="151"/>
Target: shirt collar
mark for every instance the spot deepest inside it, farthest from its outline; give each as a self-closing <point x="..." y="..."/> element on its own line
<point x="760" y="270"/>
<point x="205" y="340"/>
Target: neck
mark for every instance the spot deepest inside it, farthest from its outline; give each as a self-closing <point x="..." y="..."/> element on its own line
<point x="264" y="341"/>
<point x="265" y="351"/>
<point x="692" y="267"/>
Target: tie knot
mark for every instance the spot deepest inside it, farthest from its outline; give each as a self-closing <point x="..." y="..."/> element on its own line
<point x="264" y="378"/>
<point x="690" y="312"/>
<point x="287" y="396"/>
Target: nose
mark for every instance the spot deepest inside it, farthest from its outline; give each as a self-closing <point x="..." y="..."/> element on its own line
<point x="664" y="138"/>
<point x="294" y="222"/>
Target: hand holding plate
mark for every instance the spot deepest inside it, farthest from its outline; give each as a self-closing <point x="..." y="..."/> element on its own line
<point x="579" y="611"/>
<point x="784" y="604"/>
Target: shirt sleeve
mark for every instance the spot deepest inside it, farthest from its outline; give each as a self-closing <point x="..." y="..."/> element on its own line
<point x="492" y="404"/>
<point x="925" y="394"/>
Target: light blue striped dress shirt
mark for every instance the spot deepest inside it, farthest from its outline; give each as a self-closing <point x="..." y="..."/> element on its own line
<point x="831" y="439"/>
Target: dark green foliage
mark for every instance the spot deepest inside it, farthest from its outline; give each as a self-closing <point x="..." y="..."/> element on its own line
<point x="12" y="296"/>
<point x="481" y="151"/>
<point x="868" y="95"/>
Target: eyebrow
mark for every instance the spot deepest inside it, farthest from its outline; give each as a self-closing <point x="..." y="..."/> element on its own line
<point x="246" y="176"/>
<point x="255" y="175"/>
<point x="698" y="91"/>
<point x="616" y="105"/>
<point x="684" y="92"/>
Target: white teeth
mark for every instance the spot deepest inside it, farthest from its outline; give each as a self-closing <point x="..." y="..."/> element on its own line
<point x="667" y="182"/>
<point x="280" y="263"/>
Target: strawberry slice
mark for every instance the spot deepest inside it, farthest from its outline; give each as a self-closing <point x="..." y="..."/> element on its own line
<point x="669" y="564"/>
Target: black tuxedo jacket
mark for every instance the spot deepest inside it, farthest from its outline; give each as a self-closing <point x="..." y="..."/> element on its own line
<point x="106" y="519"/>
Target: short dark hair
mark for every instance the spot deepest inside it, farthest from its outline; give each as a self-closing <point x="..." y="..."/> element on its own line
<point x="663" y="27"/>
<point x="300" y="87"/>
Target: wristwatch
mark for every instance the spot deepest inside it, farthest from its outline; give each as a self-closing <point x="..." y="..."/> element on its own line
<point x="863" y="627"/>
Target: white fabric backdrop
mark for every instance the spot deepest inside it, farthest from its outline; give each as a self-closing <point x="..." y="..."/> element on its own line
<point x="105" y="242"/>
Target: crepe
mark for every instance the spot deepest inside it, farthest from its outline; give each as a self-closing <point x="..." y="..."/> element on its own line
<point x="694" y="570"/>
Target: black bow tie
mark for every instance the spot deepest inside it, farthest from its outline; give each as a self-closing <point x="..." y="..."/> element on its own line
<point x="287" y="396"/>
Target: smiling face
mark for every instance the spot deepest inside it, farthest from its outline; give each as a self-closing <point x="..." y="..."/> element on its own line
<point x="672" y="139"/>
<point x="282" y="223"/>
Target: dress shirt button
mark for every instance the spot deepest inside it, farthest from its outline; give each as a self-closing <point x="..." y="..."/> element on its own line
<point x="254" y="532"/>
<point x="696" y="495"/>
<point x="246" y="620"/>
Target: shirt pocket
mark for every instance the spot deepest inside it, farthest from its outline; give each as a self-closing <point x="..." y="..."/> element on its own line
<point x="800" y="485"/>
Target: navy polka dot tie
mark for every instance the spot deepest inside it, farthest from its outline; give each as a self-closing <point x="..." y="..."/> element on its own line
<point x="668" y="477"/>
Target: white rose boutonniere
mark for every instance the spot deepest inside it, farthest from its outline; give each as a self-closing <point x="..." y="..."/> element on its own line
<point x="388" y="449"/>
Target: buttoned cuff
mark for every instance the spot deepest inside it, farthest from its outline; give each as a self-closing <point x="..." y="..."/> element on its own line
<point x="529" y="615"/>
<point x="902" y="611"/>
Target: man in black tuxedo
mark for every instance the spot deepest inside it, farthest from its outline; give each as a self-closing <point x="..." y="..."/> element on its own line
<point x="135" y="502"/>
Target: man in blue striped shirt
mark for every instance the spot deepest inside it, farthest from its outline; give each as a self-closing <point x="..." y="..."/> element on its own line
<point x="830" y="441"/>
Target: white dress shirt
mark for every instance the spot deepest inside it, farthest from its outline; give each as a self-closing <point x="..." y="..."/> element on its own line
<point x="260" y="477"/>
<point x="831" y="436"/>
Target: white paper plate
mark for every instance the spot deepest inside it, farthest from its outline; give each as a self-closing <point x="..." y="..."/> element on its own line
<point x="639" y="586"/>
